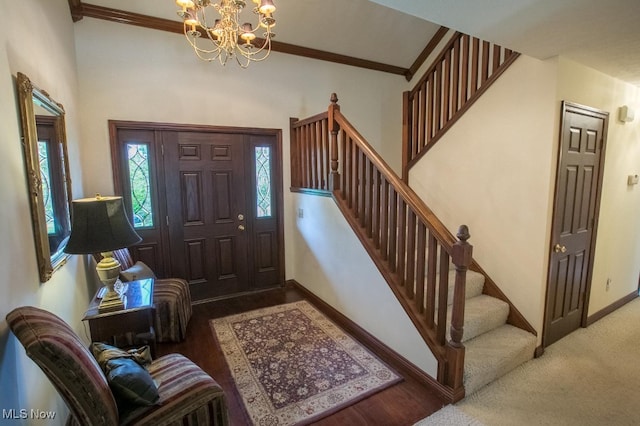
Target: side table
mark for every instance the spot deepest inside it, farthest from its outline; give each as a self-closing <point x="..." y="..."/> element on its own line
<point x="136" y="319"/>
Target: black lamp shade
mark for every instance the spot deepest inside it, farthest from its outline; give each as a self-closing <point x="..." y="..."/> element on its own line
<point x="99" y="224"/>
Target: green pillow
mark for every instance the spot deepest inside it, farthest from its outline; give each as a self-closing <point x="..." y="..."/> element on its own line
<point x="127" y="377"/>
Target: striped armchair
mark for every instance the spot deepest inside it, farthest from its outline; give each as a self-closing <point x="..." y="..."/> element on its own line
<point x="187" y="394"/>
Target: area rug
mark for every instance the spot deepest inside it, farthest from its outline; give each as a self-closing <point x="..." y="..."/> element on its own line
<point x="293" y="366"/>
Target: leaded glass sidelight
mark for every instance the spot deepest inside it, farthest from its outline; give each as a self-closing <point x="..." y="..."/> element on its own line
<point x="140" y="184"/>
<point x="263" y="181"/>
<point x="45" y="178"/>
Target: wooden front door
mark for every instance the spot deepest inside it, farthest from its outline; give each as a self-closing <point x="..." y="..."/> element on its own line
<point x="577" y="196"/>
<point x="207" y="208"/>
<point x="218" y="205"/>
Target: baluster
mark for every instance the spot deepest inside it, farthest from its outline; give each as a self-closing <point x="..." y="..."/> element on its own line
<point x="446" y="83"/>
<point x="407" y="143"/>
<point x="401" y="248"/>
<point x="295" y="148"/>
<point x="345" y="168"/>
<point x="438" y="102"/>
<point x="455" y="79"/>
<point x="431" y="280"/>
<point x="420" y="265"/>
<point x="497" y="53"/>
<point x="369" y="199"/>
<point x="423" y="116"/>
<point x="313" y="133"/>
<point x="485" y="62"/>
<point x="430" y="101"/>
<point x="326" y="154"/>
<point x="464" y="78"/>
<point x="474" y="65"/>
<point x="393" y="227"/>
<point x="443" y="295"/>
<point x="334" y="178"/>
<point x="384" y="219"/>
<point x="411" y="253"/>
<point x="375" y="208"/>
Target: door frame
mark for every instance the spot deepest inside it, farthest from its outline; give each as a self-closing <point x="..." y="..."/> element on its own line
<point x="567" y="106"/>
<point x="119" y="173"/>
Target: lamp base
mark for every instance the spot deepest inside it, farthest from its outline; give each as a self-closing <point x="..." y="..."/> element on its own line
<point x="110" y="304"/>
<point x="108" y="270"/>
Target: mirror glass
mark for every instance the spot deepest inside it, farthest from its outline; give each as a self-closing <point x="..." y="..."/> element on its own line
<point x="45" y="151"/>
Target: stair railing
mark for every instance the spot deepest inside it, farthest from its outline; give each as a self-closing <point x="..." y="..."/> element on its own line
<point x="465" y="68"/>
<point x="407" y="242"/>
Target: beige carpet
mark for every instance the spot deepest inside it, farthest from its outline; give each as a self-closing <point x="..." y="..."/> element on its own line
<point x="591" y="377"/>
<point x="292" y="365"/>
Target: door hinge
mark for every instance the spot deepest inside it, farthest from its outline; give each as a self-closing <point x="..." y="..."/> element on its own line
<point x="167" y="220"/>
<point x="162" y="149"/>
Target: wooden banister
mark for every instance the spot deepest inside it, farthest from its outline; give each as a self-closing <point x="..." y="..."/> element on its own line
<point x="461" y="73"/>
<point x="407" y="242"/>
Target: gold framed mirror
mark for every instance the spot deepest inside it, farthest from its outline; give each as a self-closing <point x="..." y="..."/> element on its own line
<point x="45" y="150"/>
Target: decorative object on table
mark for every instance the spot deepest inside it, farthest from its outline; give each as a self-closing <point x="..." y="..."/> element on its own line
<point x="100" y="224"/>
<point x="220" y="40"/>
<point x="292" y="365"/>
<point x="171" y="297"/>
<point x="186" y="392"/>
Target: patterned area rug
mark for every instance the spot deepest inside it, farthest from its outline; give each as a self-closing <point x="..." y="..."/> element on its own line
<point x="292" y="365"/>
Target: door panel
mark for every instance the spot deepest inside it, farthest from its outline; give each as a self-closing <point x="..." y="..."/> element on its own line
<point x="575" y="210"/>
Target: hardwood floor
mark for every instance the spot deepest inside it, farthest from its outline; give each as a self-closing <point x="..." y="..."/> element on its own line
<point x="401" y="404"/>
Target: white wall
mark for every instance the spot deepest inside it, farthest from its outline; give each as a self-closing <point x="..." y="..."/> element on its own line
<point x="493" y="171"/>
<point x="334" y="265"/>
<point x="617" y="255"/>
<point x="47" y="56"/>
<point x="131" y="73"/>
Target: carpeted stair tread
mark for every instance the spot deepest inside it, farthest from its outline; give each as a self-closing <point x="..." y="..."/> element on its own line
<point x="481" y="314"/>
<point x="474" y="287"/>
<point x="495" y="353"/>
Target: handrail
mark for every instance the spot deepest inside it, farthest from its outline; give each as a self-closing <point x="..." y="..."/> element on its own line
<point x="410" y="246"/>
<point x="465" y="69"/>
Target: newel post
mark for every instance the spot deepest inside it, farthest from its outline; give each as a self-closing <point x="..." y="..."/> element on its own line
<point x="462" y="257"/>
<point x="334" y="176"/>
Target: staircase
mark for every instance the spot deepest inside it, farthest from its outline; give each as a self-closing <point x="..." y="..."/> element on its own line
<point x="480" y="335"/>
<point x="493" y="347"/>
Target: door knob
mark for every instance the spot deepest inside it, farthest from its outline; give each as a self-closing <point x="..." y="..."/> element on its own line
<point x="241" y="227"/>
<point x="559" y="249"/>
<point x="240" y="216"/>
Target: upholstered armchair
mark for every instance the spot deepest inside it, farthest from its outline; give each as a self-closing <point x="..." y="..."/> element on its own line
<point x="171" y="297"/>
<point x="187" y="395"/>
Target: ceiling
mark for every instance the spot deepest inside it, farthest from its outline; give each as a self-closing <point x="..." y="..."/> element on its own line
<point x="604" y="35"/>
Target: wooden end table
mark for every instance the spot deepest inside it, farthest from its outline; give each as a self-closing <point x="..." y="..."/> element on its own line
<point x="136" y="317"/>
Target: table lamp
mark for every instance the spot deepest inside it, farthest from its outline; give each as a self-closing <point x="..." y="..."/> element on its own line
<point x="101" y="225"/>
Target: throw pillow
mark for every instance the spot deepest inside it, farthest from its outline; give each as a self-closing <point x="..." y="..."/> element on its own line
<point x="139" y="271"/>
<point x="125" y="373"/>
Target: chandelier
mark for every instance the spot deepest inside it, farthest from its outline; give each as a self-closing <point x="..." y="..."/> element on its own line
<point x="225" y="37"/>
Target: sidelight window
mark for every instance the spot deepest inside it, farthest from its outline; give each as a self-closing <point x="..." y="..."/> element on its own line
<point x="140" y="184"/>
<point x="263" y="181"/>
<point x="45" y="177"/>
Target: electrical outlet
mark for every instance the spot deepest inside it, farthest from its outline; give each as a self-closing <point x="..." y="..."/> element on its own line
<point x="608" y="283"/>
<point x="300" y="213"/>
